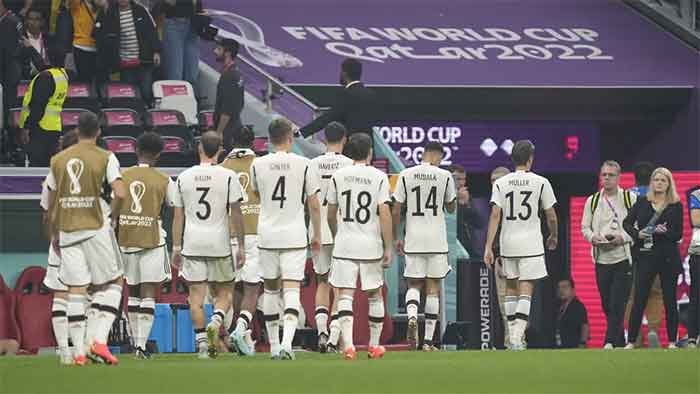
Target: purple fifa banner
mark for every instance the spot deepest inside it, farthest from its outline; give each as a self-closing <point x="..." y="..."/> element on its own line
<point x="458" y="43"/>
<point x="482" y="146"/>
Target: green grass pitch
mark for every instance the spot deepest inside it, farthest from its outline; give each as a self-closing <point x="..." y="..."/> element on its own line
<point x="577" y="371"/>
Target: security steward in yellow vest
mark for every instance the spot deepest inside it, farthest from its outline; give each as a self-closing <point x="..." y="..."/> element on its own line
<point x="40" y="120"/>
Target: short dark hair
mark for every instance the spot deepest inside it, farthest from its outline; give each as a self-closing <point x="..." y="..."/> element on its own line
<point x="434" y="146"/>
<point x="69" y="138"/>
<point x="359" y="146"/>
<point x="36" y="10"/>
<point x="243" y="138"/>
<point x="335" y="131"/>
<point x="88" y="125"/>
<point x="352" y="68"/>
<point x="522" y="152"/>
<point x="642" y="173"/>
<point x="457" y="168"/>
<point x="570" y="280"/>
<point x="229" y="45"/>
<point x="278" y="130"/>
<point x="149" y="144"/>
<point x="210" y="142"/>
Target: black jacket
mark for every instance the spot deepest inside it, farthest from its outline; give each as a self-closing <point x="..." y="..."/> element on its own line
<point x="665" y="249"/>
<point x="107" y="35"/>
<point x="469" y="220"/>
<point x="356" y="109"/>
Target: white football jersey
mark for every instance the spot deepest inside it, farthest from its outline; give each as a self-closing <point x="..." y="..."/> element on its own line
<point x="521" y="195"/>
<point x="283" y="181"/>
<point x="326" y="165"/>
<point x="205" y="192"/>
<point x="358" y="191"/>
<point x="425" y="190"/>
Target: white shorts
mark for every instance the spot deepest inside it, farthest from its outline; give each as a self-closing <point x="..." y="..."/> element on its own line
<point x="525" y="268"/>
<point x="96" y="260"/>
<point x="288" y="264"/>
<point x="51" y="279"/>
<point x="422" y="266"/>
<point x="322" y="262"/>
<point x="208" y="269"/>
<point x="251" y="271"/>
<point x="147" y="266"/>
<point x="344" y="274"/>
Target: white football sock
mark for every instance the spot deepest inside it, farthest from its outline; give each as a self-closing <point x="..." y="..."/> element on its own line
<point x="412" y="302"/>
<point x="59" y="321"/>
<point x="291" y="316"/>
<point x="322" y="319"/>
<point x="345" y="319"/>
<point x="334" y="330"/>
<point x="432" y="308"/>
<point x="109" y="309"/>
<point x="133" y="307"/>
<point x="76" y="322"/>
<point x="272" y="316"/>
<point x="243" y="321"/>
<point x="376" y="320"/>
<point x="147" y="312"/>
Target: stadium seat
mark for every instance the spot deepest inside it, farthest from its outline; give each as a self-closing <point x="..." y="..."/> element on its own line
<point x="13" y="117"/>
<point x="174" y="291"/>
<point x="184" y="333"/>
<point x="124" y="148"/>
<point x="177" y="95"/>
<point x="121" y="122"/>
<point x="261" y="145"/>
<point x="162" y="330"/>
<point x="176" y="153"/>
<point x="122" y="95"/>
<point x="206" y="120"/>
<point x="69" y="117"/>
<point x="82" y="95"/>
<point x="34" y="310"/>
<point x="168" y="122"/>
<point x="8" y="320"/>
<point x="22" y="87"/>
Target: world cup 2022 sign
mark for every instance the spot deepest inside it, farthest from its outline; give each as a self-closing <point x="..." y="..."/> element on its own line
<point x="483" y="146"/>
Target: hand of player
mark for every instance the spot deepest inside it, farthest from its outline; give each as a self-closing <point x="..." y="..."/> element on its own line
<point x="399" y="247"/>
<point x="240" y="257"/>
<point x="54" y="245"/>
<point x="661" y="229"/>
<point x="552" y="243"/>
<point x="176" y="261"/>
<point x="498" y="266"/>
<point x="488" y="258"/>
<point x="463" y="195"/>
<point x="386" y="259"/>
<point x="315" y="245"/>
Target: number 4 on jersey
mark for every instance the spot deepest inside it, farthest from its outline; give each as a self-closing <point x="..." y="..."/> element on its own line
<point x="278" y="194"/>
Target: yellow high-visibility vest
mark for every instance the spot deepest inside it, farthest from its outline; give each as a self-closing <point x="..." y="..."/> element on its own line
<point x="51" y="121"/>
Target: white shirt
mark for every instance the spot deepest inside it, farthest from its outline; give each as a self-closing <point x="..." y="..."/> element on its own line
<point x="607" y="219"/>
<point x="425" y="190"/>
<point x="326" y="165"/>
<point x="111" y="175"/>
<point x="205" y="192"/>
<point x="520" y="195"/>
<point x="283" y="181"/>
<point x="358" y="191"/>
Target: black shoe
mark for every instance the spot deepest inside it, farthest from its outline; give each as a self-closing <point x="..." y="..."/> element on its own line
<point x="331" y="348"/>
<point x="322" y="343"/>
<point x="142" y="354"/>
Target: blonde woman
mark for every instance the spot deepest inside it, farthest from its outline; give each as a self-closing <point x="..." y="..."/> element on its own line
<point x="655" y="222"/>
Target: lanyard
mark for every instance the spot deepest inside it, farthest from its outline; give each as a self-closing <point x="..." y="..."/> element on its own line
<point x="612" y="208"/>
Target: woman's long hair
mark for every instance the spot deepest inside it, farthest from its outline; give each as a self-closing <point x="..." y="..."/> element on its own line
<point x="671" y="193"/>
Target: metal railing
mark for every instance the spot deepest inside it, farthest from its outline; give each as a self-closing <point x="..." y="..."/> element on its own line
<point x="681" y="17"/>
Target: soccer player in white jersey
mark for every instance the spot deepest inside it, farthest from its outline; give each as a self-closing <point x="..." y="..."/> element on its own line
<point x="285" y="183"/>
<point x="327" y="164"/>
<point x="426" y="191"/>
<point x="360" y="221"/>
<point x="83" y="238"/>
<point x="207" y="203"/>
<point x="516" y="200"/>
<point x="59" y="307"/>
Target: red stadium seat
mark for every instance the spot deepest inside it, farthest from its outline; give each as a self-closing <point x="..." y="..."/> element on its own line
<point x="69" y="117"/>
<point x="122" y="95"/>
<point x="206" y="120"/>
<point x="124" y="148"/>
<point x="121" y="121"/>
<point x="82" y="95"/>
<point x="174" y="291"/>
<point x="34" y="310"/>
<point x="8" y="320"/>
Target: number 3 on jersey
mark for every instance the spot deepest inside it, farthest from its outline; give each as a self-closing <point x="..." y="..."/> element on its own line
<point x="524" y="205"/>
<point x="205" y="203"/>
<point x="278" y="194"/>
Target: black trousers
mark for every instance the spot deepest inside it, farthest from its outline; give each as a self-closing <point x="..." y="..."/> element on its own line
<point x="694" y="307"/>
<point x="614" y="282"/>
<point x="647" y="267"/>
<point x="42" y="145"/>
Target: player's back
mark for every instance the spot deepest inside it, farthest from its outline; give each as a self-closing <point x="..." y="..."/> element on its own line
<point x="358" y="191"/>
<point x="521" y="196"/>
<point x="240" y="161"/>
<point x="326" y="165"/>
<point x="425" y="190"/>
<point x="204" y="192"/>
<point x="284" y="181"/>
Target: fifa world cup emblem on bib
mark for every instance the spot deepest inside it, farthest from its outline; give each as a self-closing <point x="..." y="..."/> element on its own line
<point x="244" y="180"/>
<point x="137" y="189"/>
<point x="75" y="170"/>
